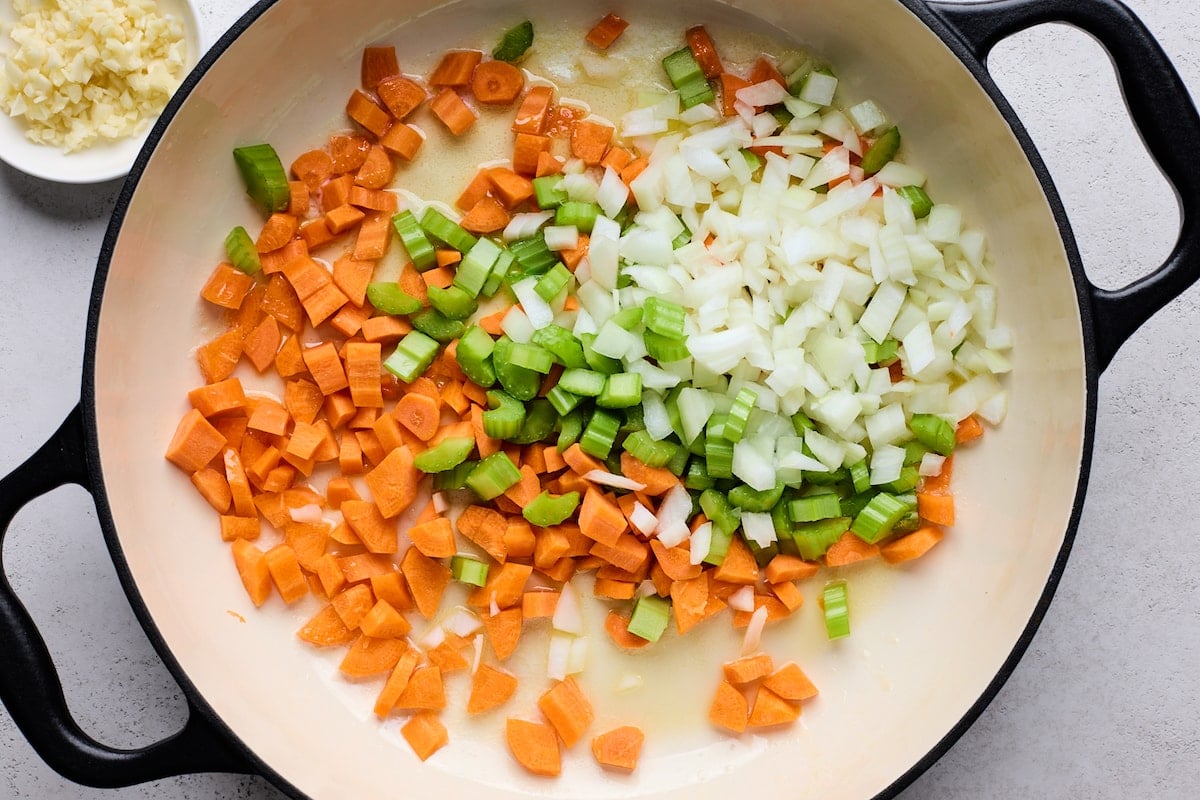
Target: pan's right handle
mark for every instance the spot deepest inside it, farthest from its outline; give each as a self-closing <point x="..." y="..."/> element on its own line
<point x="29" y="684"/>
<point x="1163" y="112"/>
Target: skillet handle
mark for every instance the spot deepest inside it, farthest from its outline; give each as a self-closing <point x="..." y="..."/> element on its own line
<point x="29" y="684"/>
<point x="1161" y="109"/>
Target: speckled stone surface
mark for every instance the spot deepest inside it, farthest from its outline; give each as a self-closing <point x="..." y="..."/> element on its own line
<point x="1106" y="703"/>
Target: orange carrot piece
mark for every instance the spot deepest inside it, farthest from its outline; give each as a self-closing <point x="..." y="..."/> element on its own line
<point x="770" y="709"/>
<point x="704" y="51"/>
<point x="534" y="746"/>
<point x="527" y="148"/>
<point x="397" y="682"/>
<point x="362" y="374"/>
<point x="548" y="164"/>
<point x="776" y="611"/>
<point x="784" y="567"/>
<point x="434" y="538"/>
<point x="689" y="602"/>
<point x="730" y="85"/>
<point x="590" y="141"/>
<point x="239" y="528"/>
<point x="312" y="168"/>
<point x="492" y="322"/>
<point x="790" y="683"/>
<point x="385" y="329"/>
<point x="368" y="657"/>
<point x="326" y="368"/>
<point x="401" y="95"/>
<point x="580" y="462"/>
<point x="278" y="230"/>
<point x="968" y="430"/>
<point x="455" y="68"/>
<point x="373" y="236"/>
<point x="393" y="483"/>
<point x="376" y="171"/>
<point x="490" y="688"/>
<point x="390" y="586"/>
<point x="519" y="541"/>
<point x="315" y="233"/>
<point x="619" y="748"/>
<point x="497" y="83"/>
<point x="336" y="192"/>
<point x="420" y="414"/>
<point x="509" y="187"/>
<point x="262" y="344"/>
<point x="936" y="508"/>
<point x="940" y="483"/>
<point x="474" y="191"/>
<point x="285" y="572"/>
<point x="658" y="480"/>
<point x="485" y="527"/>
<point x="534" y="112"/>
<point x="614" y="590"/>
<point x="425" y="691"/>
<point x="333" y="580"/>
<point x="195" y="443"/>
<point x="213" y="488"/>
<point x="539" y="604"/>
<point x="849" y="549"/>
<point x="425" y="734"/>
<point x="402" y="140"/>
<point x="384" y="622"/>
<point x="739" y="566"/>
<point x="675" y="561"/>
<point x="294" y="250"/>
<point x="373" y="199"/>
<point x="912" y="545"/>
<point x="427" y="579"/>
<point x="219" y="357"/>
<point x="486" y="216"/>
<point x="764" y="69"/>
<point x="600" y="519"/>
<point x="748" y="669"/>
<point x="377" y="532"/>
<point x="253" y="569"/>
<point x="729" y="709"/>
<point x="303" y="400"/>
<point x="568" y="710"/>
<point x="787" y="593"/>
<point x="601" y="36"/>
<point x="629" y="553"/>
<point x="504" y="631"/>
<point x="617" y="628"/>
<point x="378" y="62"/>
<point x="353" y="605"/>
<point x="366" y="112"/>
<point x="227" y="287"/>
<point x="281" y="302"/>
<point x="219" y="399"/>
<point x="450" y="109"/>
<point x="325" y="629"/>
<point x="617" y="158"/>
<point x="526" y="490"/>
<point x="441" y="277"/>
<point x="505" y="586"/>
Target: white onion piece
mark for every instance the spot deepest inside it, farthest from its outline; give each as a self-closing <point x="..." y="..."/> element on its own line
<point x="754" y="631"/>
<point x="568" y="613"/>
<point x="577" y="660"/>
<point x="886" y="463"/>
<point x="526" y="224"/>
<point x="561" y="237"/>
<point x="616" y="481"/>
<point x="433" y="637"/>
<point x="477" y="645"/>
<point x="742" y="599"/>
<point x="558" y="659"/>
<point x="628" y="682"/>
<point x="931" y="465"/>
<point x="643" y="520"/>
<point x="538" y="311"/>
<point x="462" y="623"/>
<point x="701" y="543"/>
<point x="673" y="514"/>
<point x="440" y="503"/>
<point x="309" y="514"/>
<point x="758" y="528"/>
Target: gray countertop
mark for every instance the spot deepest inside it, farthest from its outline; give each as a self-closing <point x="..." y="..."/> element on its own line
<point x="1105" y="704"/>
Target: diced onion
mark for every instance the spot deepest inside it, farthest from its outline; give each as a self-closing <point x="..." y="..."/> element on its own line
<point x="616" y="481"/>
<point x="753" y="637"/>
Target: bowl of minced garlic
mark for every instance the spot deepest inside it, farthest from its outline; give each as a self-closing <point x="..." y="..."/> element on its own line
<point x="83" y="81"/>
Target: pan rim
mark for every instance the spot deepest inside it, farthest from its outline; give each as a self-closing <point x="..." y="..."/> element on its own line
<point x="939" y="28"/>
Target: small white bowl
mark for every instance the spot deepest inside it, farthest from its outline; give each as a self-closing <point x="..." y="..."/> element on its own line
<point x="100" y="162"/>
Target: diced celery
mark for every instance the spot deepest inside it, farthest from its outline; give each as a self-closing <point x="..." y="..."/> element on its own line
<point x="446" y="455"/>
<point x="621" y="391"/>
<point x="651" y="614"/>
<point x="412" y="357"/>
<point x="465" y="569"/>
<point x="493" y="476"/>
<point x="264" y="176"/>
<point x="242" y="252"/>
<point x="547" y="509"/>
<point x="419" y="248"/>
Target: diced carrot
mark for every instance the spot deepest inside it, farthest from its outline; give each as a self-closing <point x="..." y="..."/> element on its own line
<point x="378" y="62"/>
<point x="940" y="483"/>
<point x="770" y="709"/>
<point x="285" y="572"/>
<point x="326" y="368"/>
<point x="590" y="141"/>
<point x="281" y="302"/>
<point x="730" y="85"/>
<point x="568" y="710"/>
<point x="936" y="508"/>
<point x="219" y="357"/>
<point x="534" y="112"/>
<point x="420" y="414"/>
<point x="374" y="199"/>
<point x="336" y="191"/>
<point x="425" y="734"/>
<point x="434" y="538"/>
<point x="849" y="549"/>
<point x="402" y="140"/>
<point x="393" y="483"/>
<point x="253" y="569"/>
<point x="427" y="580"/>
<point x="450" y="109"/>
<point x="387" y="429"/>
<point x="748" y="669"/>
<point x="775" y="611"/>
<point x="303" y="400"/>
<point x="219" y="399"/>
<point x="377" y="170"/>
<point x="384" y="622"/>
<point x="349" y="319"/>
<point x="505" y="586"/>
<point x="497" y="83"/>
<point x="617" y="158"/>
<point x="784" y="567"/>
<point x="968" y="430"/>
<point x="790" y="683"/>
<point x="227" y="287"/>
<point x="617" y="628"/>
<point x="658" y="480"/>
<point x="486" y="216"/>
<point x="354" y="604"/>
<point x="425" y="691"/>
<point x="315" y="234"/>
<point x="509" y="187"/>
<point x="447" y="658"/>
<point x="377" y="532"/>
<point x="401" y="95"/>
<point x="308" y="541"/>
<point x="675" y="561"/>
<point x="787" y="593"/>
<point x="580" y="461"/>
<point x="548" y="164"/>
<point x="195" y="443"/>
<point x="739" y="566"/>
<point x="912" y="545"/>
<point x="729" y="709"/>
<point x="764" y="69"/>
<point x="447" y="257"/>
<point x="233" y="429"/>
<point x="368" y="657"/>
<point x="475" y="190"/>
<point x="492" y="323"/>
<point x="601" y="36"/>
<point x="294" y="250"/>
<point x="313" y="168"/>
<point x="628" y="553"/>
<point x="527" y="147"/>
<point x="490" y="688"/>
<point x="348" y="151"/>
<point x="333" y="580"/>
<point x="534" y="745"/>
<point x="519" y="541"/>
<point x="278" y="230"/>
<point x="397" y="682"/>
<point x="539" y="604"/>
<point x="262" y="344"/>
<point x="366" y="112"/>
<point x="601" y="519"/>
<point x="456" y="68"/>
<point x="390" y="586"/>
<point x="213" y="488"/>
<point x="704" y="51"/>
<point x="385" y="329"/>
<point x="485" y="527"/>
<point x="326" y="629"/>
<point x="526" y="490"/>
<point x="504" y="631"/>
<point x="373" y="236"/>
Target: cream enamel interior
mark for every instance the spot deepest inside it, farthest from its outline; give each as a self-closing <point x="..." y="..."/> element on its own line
<point x="927" y="640"/>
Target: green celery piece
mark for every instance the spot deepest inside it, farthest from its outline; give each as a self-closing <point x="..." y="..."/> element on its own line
<point x="505" y="415"/>
<point x="860" y="476"/>
<point x="389" y="298"/>
<point x="918" y="199"/>
<point x="664" y="317"/>
<point x="446" y="455"/>
<point x="453" y="302"/>
<point x="835" y="599"/>
<point x="621" y="391"/>
<point x="533" y="257"/>
<point x="549" y="192"/>
<point x="739" y="414"/>
<point x="547" y="509"/>
<point x="474" y="356"/>
<point x="882" y="151"/>
<point x="523" y="384"/>
<point x="852" y="505"/>
<point x="582" y="382"/>
<point x="718" y="546"/>
<point x="651" y="614"/>
<point x="718" y="456"/>
<point x="815" y="508"/>
<point x="663" y="349"/>
<point x="563" y="401"/>
<point x="465" y="569"/>
<point x="695" y="92"/>
<point x="696" y="478"/>
<point x="436" y="326"/>
<point x="879" y="516"/>
<point x="242" y="252"/>
<point x="682" y="67"/>
<point x="578" y="213"/>
<point x="571" y="428"/>
<point x="550" y="285"/>
<point x="419" y="248"/>
<point x="747" y="499"/>
<point x="499" y="273"/>
<point x="540" y="419"/>
<point x="264" y="176"/>
<point x="453" y="479"/>
<point x="446" y="230"/>
<point x="762" y="555"/>
<point x="562" y="344"/>
<point x="907" y="482"/>
<point x="600" y="433"/>
<point x="723" y="515"/>
<point x="934" y="432"/>
<point x="814" y="538"/>
<point x="515" y="42"/>
<point x="413" y="355"/>
<point x="648" y="451"/>
<point x="628" y="318"/>
<point x="476" y="266"/>
<point x="530" y="356"/>
<point x="493" y="476"/>
<point x="597" y="361"/>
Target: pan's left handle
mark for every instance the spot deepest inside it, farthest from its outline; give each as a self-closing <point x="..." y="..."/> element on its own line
<point x="29" y="684"/>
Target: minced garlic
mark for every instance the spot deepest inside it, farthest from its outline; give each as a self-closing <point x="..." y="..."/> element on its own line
<point x="83" y="71"/>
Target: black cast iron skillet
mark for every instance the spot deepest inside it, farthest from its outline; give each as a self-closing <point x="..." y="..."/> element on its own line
<point x="1159" y="105"/>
